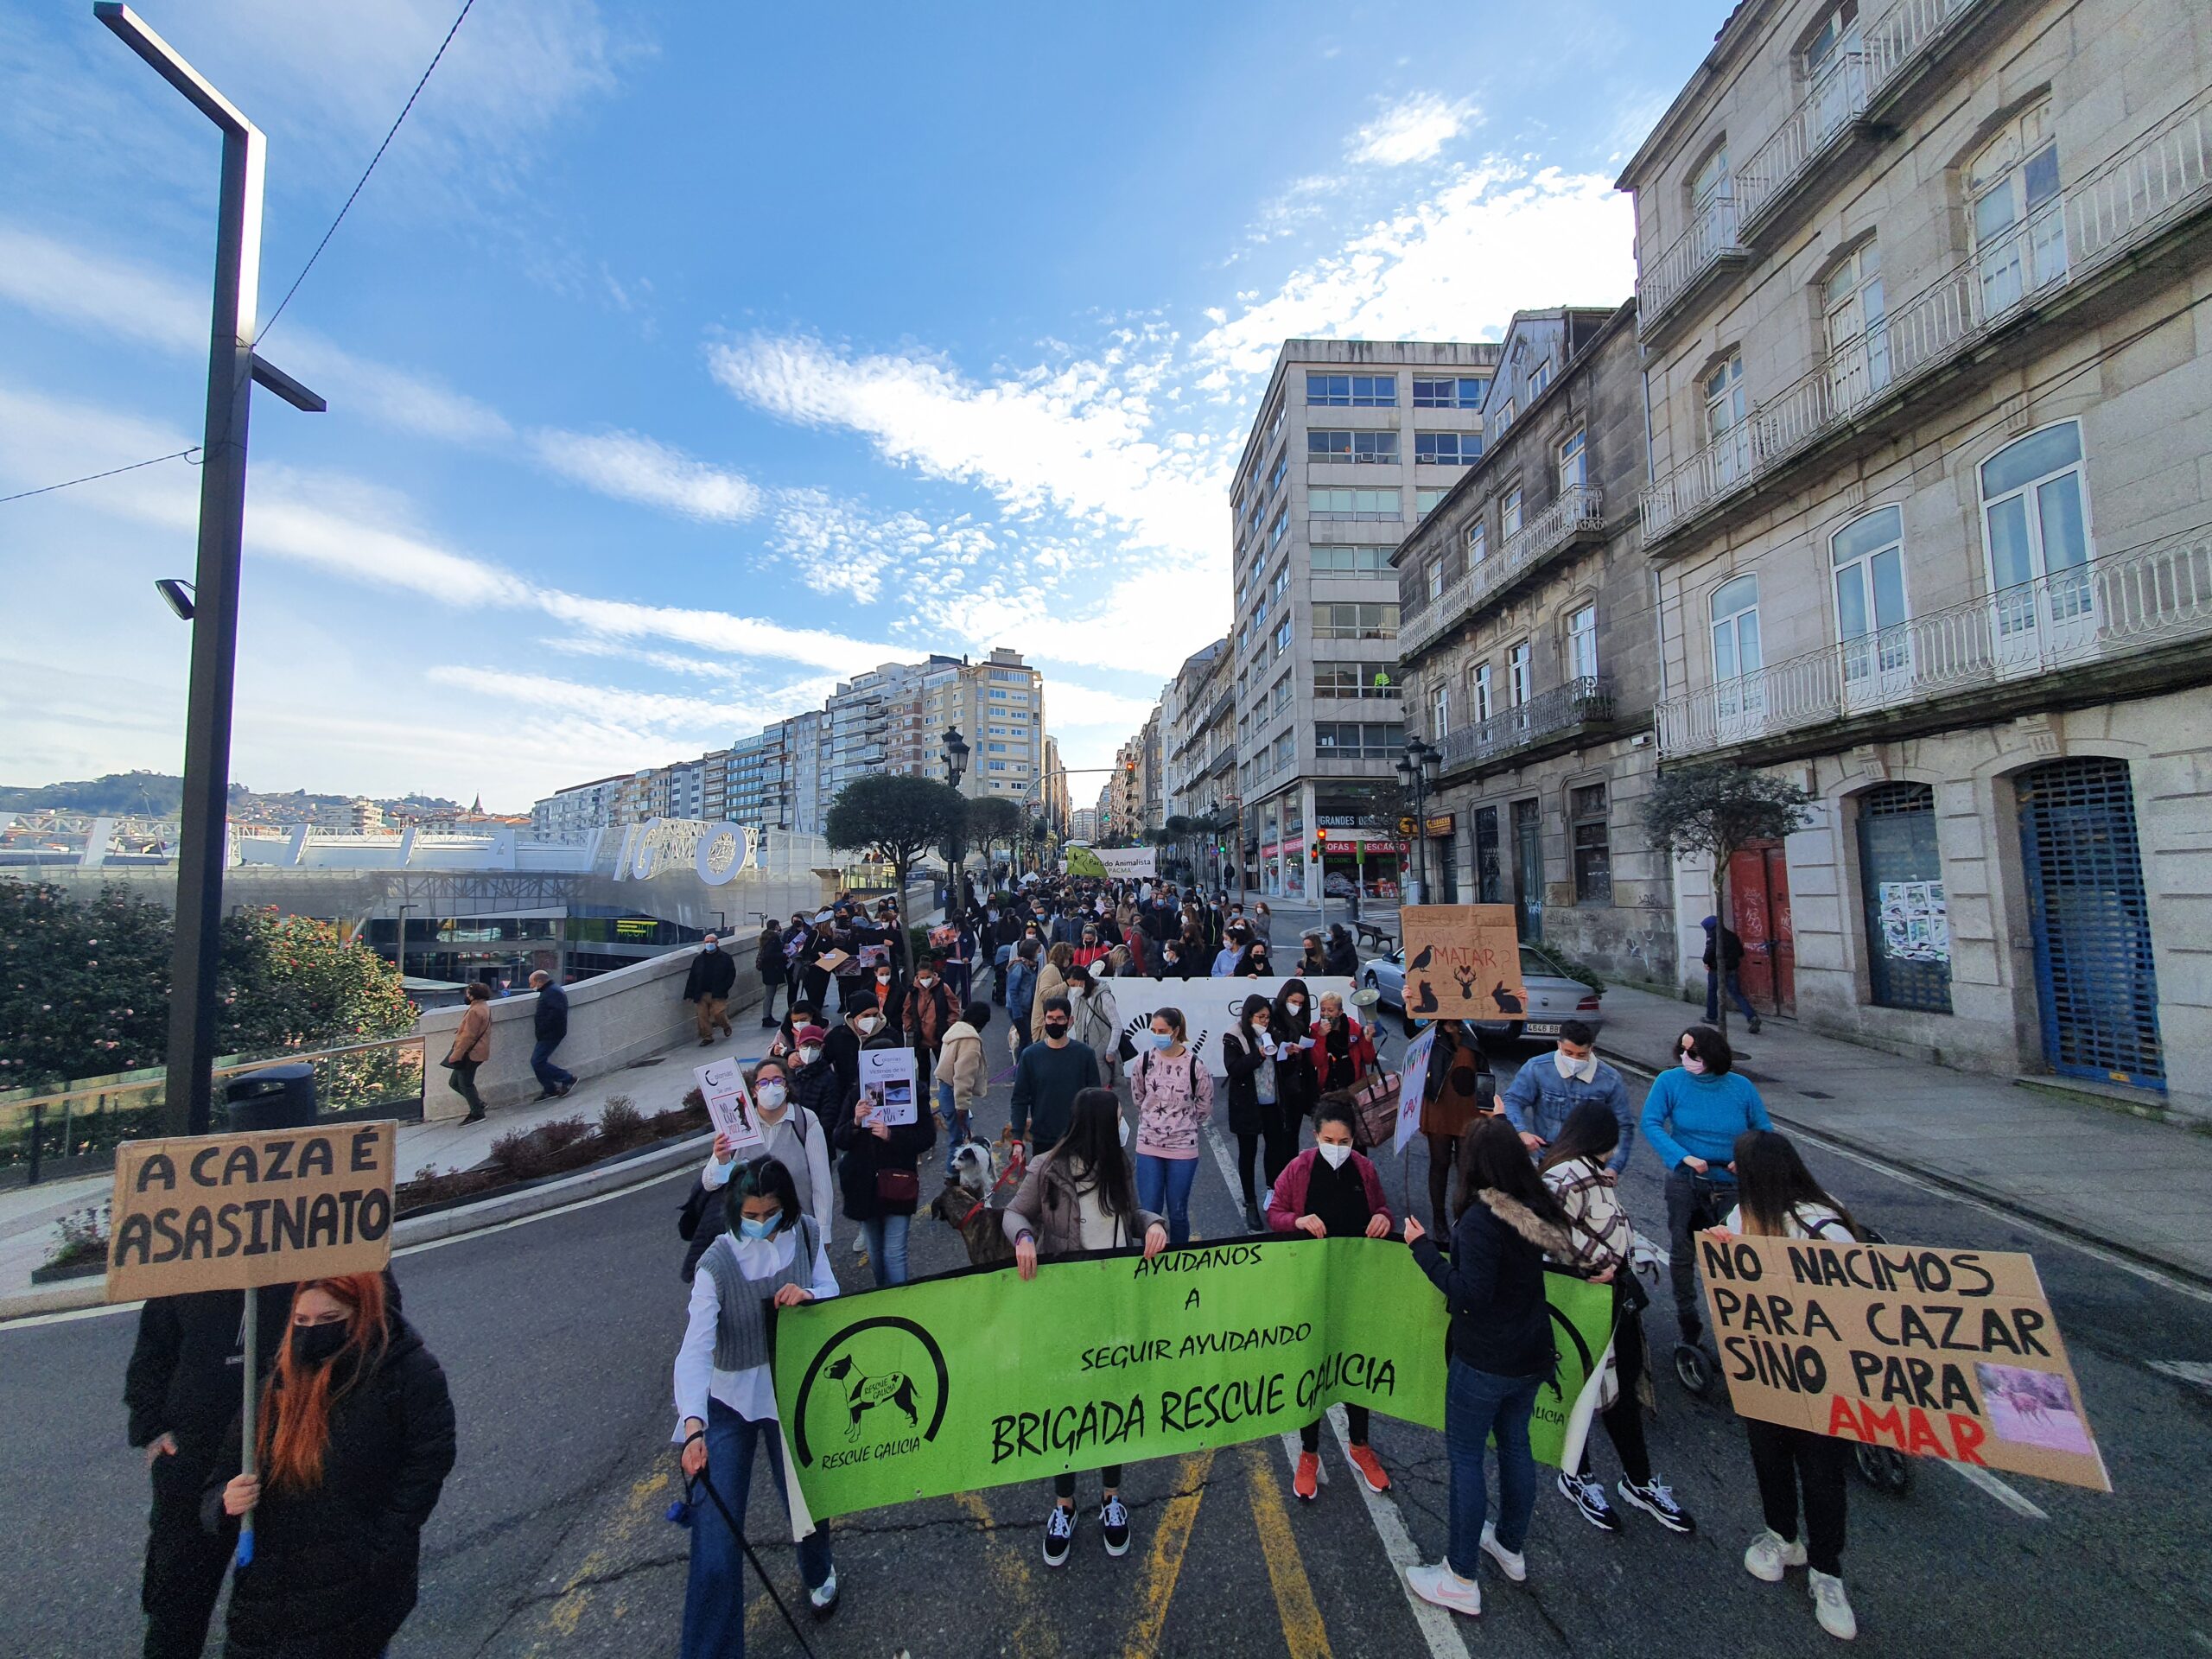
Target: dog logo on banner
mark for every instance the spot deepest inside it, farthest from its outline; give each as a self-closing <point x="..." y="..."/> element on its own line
<point x="875" y="1390"/>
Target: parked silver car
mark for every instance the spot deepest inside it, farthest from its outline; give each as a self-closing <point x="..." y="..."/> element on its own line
<point x="1552" y="997"/>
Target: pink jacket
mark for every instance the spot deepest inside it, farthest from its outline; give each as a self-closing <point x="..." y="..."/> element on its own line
<point x="1289" y="1202"/>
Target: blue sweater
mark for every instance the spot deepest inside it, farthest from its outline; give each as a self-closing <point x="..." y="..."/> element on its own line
<point x="1687" y="1116"/>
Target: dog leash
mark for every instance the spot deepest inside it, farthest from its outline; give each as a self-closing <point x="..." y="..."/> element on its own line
<point x="1015" y="1167"/>
<point x="746" y="1544"/>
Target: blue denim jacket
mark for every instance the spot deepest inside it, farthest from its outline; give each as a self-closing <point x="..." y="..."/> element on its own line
<point x="1539" y="1099"/>
<point x="1021" y="988"/>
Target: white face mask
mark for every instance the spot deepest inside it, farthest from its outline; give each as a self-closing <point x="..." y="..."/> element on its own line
<point x="883" y="978"/>
<point x="869" y="1024"/>
<point x="1333" y="1156"/>
<point x="771" y="1097"/>
<point x="1585" y="1068"/>
<point x="923" y="980"/>
<point x="1296" y="1004"/>
<point x="810" y="1054"/>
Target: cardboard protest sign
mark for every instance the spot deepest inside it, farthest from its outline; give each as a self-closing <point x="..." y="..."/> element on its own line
<point x="1463" y="962"/>
<point x="830" y="960"/>
<point x="975" y="1379"/>
<point x="1209" y="1007"/>
<point x="888" y="1085"/>
<point x="1940" y="1353"/>
<point x="1413" y="1085"/>
<point x="729" y="1103"/>
<point x="233" y="1211"/>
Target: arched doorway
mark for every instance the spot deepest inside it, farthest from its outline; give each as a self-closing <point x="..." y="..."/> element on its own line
<point x="2095" y="984"/>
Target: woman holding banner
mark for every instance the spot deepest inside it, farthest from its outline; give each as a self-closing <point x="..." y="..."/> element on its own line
<point x="1081" y="1196"/>
<point x="1501" y="1354"/>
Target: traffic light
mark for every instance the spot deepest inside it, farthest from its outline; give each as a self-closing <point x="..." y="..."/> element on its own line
<point x="1321" y="843"/>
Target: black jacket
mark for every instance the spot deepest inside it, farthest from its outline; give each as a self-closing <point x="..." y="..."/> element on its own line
<point x="768" y="959"/>
<point x="552" y="1016"/>
<point x="1732" y="950"/>
<point x="336" y="1569"/>
<point x="1343" y="960"/>
<point x="863" y="1153"/>
<point x="184" y="1375"/>
<point x="712" y="974"/>
<point x="819" y="1088"/>
<point x="1243" y="1065"/>
<point x="1493" y="1286"/>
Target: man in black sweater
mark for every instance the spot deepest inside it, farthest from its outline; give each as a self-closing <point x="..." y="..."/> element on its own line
<point x="1047" y="1079"/>
<point x="551" y="1025"/>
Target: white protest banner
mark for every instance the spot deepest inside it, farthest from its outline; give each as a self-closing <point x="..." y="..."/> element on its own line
<point x="887" y="1086"/>
<point x="729" y="1103"/>
<point x="1209" y="1007"/>
<point x="1413" y="1083"/>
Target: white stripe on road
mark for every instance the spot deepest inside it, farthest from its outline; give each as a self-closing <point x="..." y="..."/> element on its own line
<point x="2196" y="1372"/>
<point x="1435" y="1623"/>
<point x="1974" y="1475"/>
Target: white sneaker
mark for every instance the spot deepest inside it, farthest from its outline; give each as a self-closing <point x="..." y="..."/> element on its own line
<point x="1833" y="1608"/>
<point x="824" y="1596"/>
<point x="1440" y="1585"/>
<point x="1769" y="1556"/>
<point x="1511" y="1562"/>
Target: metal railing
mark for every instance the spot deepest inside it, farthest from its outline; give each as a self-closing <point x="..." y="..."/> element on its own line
<point x="2108" y="608"/>
<point x="2112" y="209"/>
<point x="75" y="1130"/>
<point x="1562" y="709"/>
<point x="1713" y="233"/>
<point x="1830" y="107"/>
<point x="1579" y="509"/>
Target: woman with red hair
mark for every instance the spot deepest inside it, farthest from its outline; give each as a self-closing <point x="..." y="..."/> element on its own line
<point x="354" y="1439"/>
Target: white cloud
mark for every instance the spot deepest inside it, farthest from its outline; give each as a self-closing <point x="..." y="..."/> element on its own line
<point x="631" y="466"/>
<point x="1415" y="130"/>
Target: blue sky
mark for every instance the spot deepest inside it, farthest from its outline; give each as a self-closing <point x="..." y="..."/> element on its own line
<point x="683" y="359"/>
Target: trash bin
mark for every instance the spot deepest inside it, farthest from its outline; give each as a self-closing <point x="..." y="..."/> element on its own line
<point x="274" y="1097"/>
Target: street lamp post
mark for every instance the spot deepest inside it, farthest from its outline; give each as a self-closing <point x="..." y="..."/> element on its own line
<point x="232" y="369"/>
<point x="1417" y="771"/>
<point x="956" y="854"/>
<point x="399" y="954"/>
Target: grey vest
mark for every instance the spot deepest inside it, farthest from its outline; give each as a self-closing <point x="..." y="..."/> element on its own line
<point x="785" y="1141"/>
<point x="740" y="1332"/>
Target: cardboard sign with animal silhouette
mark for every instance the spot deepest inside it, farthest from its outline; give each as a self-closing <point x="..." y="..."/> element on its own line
<point x="1463" y="962"/>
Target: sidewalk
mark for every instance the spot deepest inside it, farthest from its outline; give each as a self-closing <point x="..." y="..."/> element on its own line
<point x="2141" y="1188"/>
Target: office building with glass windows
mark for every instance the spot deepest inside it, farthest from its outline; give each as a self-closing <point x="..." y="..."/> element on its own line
<point x="1920" y="297"/>
<point x="1357" y="440"/>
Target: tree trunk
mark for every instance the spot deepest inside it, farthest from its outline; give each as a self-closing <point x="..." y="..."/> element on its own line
<point x="1720" y="975"/>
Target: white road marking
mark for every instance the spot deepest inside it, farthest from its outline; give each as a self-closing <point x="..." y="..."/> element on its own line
<point x="1975" y="1475"/>
<point x="2195" y="1372"/>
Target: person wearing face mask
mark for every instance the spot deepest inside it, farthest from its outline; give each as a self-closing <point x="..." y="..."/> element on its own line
<point x="1459" y="1091"/>
<point x="792" y="1136"/>
<point x="1298" y="1043"/>
<point x="1255" y="963"/>
<point x="1691" y="1115"/>
<point x="863" y="1024"/>
<point x="770" y="1250"/>
<point x="884" y="987"/>
<point x="1541" y="1095"/>
<point x="1331" y="1191"/>
<point x="353" y="1440"/>
<point x="964" y="1077"/>
<point x="1093" y="948"/>
<point x="1257" y="1113"/>
<point x="877" y="1172"/>
<point x="814" y="1085"/>
<point x="1052" y="978"/>
<point x="1263" y="922"/>
<point x="1341" y="957"/>
<point x="927" y="1012"/>
<point x="1233" y="941"/>
<point x="1345" y="1052"/>
<point x="708" y="985"/>
<point x="1173" y="1092"/>
<point x="1311" y="959"/>
<point x="1174" y="959"/>
<point x="1097" y="1019"/>
<point x="1021" y="989"/>
<point x="1048" y="1077"/>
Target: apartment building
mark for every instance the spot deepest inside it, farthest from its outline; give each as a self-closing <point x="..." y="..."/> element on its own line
<point x="1356" y="440"/>
<point x="774" y="776"/>
<point x="1082" y="824"/>
<point x="1529" y="649"/>
<point x="1199" y="727"/>
<point x="998" y="705"/>
<point x="1052" y="792"/>
<point x="578" y="807"/>
<point x="1919" y="295"/>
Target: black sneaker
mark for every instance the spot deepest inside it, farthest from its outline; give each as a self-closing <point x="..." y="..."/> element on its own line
<point x="1656" y="1500"/>
<point x="1059" y="1535"/>
<point x="1589" y="1496"/>
<point x="1114" y="1522"/>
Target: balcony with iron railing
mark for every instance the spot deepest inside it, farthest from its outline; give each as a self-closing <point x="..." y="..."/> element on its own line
<point x="1561" y="712"/>
<point x="1577" y="517"/>
<point x="2106" y="610"/>
<point x="1711" y="246"/>
<point x="2156" y="184"/>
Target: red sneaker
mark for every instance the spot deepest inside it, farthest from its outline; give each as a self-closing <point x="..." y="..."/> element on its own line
<point x="1370" y="1468"/>
<point x="1306" y="1481"/>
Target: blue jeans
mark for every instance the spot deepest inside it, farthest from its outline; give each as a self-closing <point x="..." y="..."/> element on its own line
<point x="1476" y="1406"/>
<point x="957" y="1126"/>
<point x="1712" y="981"/>
<point x="714" y="1595"/>
<point x="1164" y="1188"/>
<point x="550" y="1075"/>
<point x="886" y="1249"/>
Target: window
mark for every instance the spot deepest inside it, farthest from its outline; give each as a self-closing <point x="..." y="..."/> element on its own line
<point x="998" y="765"/>
<point x="1837" y="34"/>
<point x="1279" y="471"/>
<point x="1505" y="415"/>
<point x="1350" y="621"/>
<point x="1573" y="468"/>
<point x="998" y="691"/>
<point x="1276" y="529"/>
<point x="2035" y="517"/>
<point x="1478" y="692"/>
<point x="2019" y="235"/>
<point x="1477" y="543"/>
<point x="1282" y="637"/>
<point x="1357" y="448"/>
<point x="1735" y="641"/>
<point x="1508" y="515"/>
<point x="1593" y="861"/>
<point x="1435" y="581"/>
<point x="1582" y="644"/>
<point x="1834" y="68"/>
<point x="1712" y="182"/>
<point x="1517" y="674"/>
<point x="1539" y="378"/>
<point x="1286" y="749"/>
<point x="1352" y="680"/>
<point x="1858" y="333"/>
<point x="1869" y="558"/>
<point x="1726" y="429"/>
<point x="1446" y="448"/>
<point x="1354" y="504"/>
<point x="1282" y="580"/>
<point x="1440" y="710"/>
<point x="1352" y="740"/>
<point x="1351" y="561"/>
<point x="1352" y="390"/>
<point x="1426" y="501"/>
<point x="1464" y="392"/>
<point x="995" y="749"/>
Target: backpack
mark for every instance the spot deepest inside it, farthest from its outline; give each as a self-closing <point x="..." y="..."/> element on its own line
<point x="1144" y="1065"/>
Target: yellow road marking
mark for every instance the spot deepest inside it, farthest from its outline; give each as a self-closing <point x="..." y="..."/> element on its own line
<point x="1302" y="1629"/>
<point x="568" y="1612"/>
<point x="1034" y="1635"/>
<point x="1164" y="1566"/>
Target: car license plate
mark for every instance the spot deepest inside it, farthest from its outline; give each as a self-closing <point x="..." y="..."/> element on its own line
<point x="1540" y="1028"/>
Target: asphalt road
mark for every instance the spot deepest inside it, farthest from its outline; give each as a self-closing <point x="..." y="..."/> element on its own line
<point x="557" y="1335"/>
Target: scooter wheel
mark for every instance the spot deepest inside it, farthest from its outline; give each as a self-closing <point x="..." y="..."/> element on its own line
<point x="1693" y="1368"/>
<point x="1884" y="1470"/>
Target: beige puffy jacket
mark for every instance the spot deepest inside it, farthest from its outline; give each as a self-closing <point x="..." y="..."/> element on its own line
<point x="961" y="1063"/>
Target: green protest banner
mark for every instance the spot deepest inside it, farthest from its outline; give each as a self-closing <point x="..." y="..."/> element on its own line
<point x="978" y="1379"/>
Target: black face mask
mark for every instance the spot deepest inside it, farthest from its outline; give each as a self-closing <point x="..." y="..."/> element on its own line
<point x="1056" y="1027"/>
<point x="318" y="1344"/>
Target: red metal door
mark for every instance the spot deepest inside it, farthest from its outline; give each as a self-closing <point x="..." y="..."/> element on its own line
<point x="1758" y="901"/>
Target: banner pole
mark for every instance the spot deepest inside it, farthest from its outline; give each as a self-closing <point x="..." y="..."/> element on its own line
<point x="250" y="1341"/>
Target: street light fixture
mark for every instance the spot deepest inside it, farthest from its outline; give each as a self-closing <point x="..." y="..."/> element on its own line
<point x="1417" y="771"/>
<point x="956" y="854"/>
<point x="178" y="595"/>
<point x="233" y="367"/>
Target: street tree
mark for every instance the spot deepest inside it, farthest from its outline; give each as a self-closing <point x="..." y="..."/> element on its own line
<point x="894" y="820"/>
<point x="990" y="820"/>
<point x="1715" y="810"/>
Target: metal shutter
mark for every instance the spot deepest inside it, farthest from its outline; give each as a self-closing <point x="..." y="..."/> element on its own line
<point x="1908" y="919"/>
